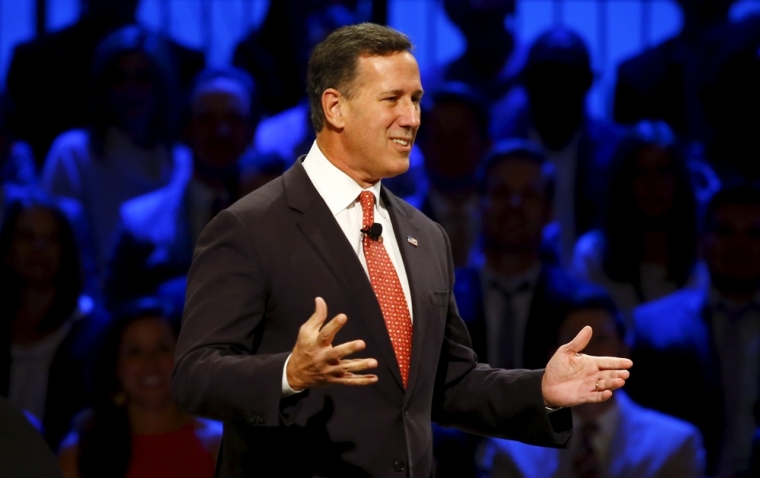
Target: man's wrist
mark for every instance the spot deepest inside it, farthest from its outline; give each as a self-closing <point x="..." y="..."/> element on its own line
<point x="287" y="390"/>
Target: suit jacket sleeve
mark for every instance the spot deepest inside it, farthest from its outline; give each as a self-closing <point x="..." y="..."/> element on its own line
<point x="479" y="399"/>
<point x="216" y="373"/>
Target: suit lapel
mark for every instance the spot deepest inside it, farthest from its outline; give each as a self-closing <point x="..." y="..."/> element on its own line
<point x="322" y="230"/>
<point x="416" y="259"/>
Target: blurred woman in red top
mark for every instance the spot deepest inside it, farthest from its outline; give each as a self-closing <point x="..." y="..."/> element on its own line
<point x="135" y="428"/>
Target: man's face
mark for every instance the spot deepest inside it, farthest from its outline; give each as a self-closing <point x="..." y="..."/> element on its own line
<point x="515" y="207"/>
<point x="220" y="130"/>
<point x="732" y="244"/>
<point x="382" y="116"/>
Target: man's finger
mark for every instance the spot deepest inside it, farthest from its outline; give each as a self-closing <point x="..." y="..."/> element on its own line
<point x="357" y="365"/>
<point x="327" y="334"/>
<point x="609" y="384"/>
<point x="320" y="314"/>
<point x="612" y="363"/>
<point x="356" y="380"/>
<point x="580" y="341"/>
<point x="343" y="350"/>
<point x="610" y="374"/>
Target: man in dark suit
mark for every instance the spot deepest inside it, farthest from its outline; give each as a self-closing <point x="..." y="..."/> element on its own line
<point x="712" y="334"/>
<point x="307" y="409"/>
<point x="511" y="298"/>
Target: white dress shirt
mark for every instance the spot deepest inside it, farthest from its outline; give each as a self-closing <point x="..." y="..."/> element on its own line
<point x="341" y="195"/>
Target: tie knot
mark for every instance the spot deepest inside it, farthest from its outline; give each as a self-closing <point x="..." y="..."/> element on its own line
<point x="367" y="200"/>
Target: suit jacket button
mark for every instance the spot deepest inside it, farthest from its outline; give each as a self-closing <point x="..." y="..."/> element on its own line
<point x="399" y="466"/>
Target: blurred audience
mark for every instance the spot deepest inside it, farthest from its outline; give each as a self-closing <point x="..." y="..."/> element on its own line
<point x="276" y="54"/>
<point x="511" y="297"/>
<point x="667" y="82"/>
<point x="23" y="452"/>
<point x="49" y="76"/>
<point x="129" y="147"/>
<point x="158" y="230"/>
<point x="135" y="428"/>
<point x="711" y="336"/>
<point x="491" y="58"/>
<point x="453" y="142"/>
<point x="646" y="246"/>
<point x="16" y="159"/>
<point x="550" y="109"/>
<point x="615" y="438"/>
<point x="732" y="101"/>
<point x="48" y="325"/>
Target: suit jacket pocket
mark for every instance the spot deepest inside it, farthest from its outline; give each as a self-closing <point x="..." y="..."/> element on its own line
<point x="440" y="299"/>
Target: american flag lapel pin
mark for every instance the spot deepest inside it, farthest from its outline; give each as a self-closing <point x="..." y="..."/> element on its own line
<point x="412" y="241"/>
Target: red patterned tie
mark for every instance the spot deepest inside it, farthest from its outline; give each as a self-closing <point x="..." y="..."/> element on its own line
<point x="387" y="287"/>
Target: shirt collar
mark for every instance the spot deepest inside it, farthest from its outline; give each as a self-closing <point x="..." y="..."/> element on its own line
<point x="335" y="187"/>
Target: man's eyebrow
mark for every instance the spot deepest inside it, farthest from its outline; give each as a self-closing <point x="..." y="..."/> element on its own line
<point x="399" y="92"/>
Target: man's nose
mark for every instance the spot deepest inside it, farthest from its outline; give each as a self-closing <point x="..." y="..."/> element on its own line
<point x="410" y="114"/>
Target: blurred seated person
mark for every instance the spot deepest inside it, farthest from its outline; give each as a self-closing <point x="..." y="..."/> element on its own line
<point x="731" y="103"/>
<point x="16" y="159"/>
<point x="453" y="142"/>
<point x="646" y="246"/>
<point x="667" y="82"/>
<point x="48" y="325"/>
<point x="49" y="76"/>
<point x="135" y="428"/>
<point x="276" y="54"/>
<point x="23" y="451"/>
<point x="491" y="58"/>
<point x="711" y="334"/>
<point x="549" y="108"/>
<point x="287" y="129"/>
<point x="158" y="230"/>
<point x="130" y="146"/>
<point x="512" y="297"/>
<point x="615" y="438"/>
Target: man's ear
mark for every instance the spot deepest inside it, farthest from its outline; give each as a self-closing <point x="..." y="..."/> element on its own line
<point x="333" y="104"/>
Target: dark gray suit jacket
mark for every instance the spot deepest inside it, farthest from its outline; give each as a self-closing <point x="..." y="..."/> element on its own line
<point x="257" y="268"/>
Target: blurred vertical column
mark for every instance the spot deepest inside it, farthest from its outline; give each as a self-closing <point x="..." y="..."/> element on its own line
<point x="380" y="11"/>
<point x="41" y="17"/>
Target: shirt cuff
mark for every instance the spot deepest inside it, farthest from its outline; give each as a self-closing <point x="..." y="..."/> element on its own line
<point x="286" y="390"/>
<point x="548" y="409"/>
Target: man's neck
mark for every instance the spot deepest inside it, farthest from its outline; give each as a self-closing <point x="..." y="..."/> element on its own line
<point x="334" y="151"/>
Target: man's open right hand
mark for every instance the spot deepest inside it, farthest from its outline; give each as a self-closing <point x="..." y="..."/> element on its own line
<point x="316" y="363"/>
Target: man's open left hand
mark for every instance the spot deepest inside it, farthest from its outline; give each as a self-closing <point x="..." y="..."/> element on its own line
<point x="572" y="378"/>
